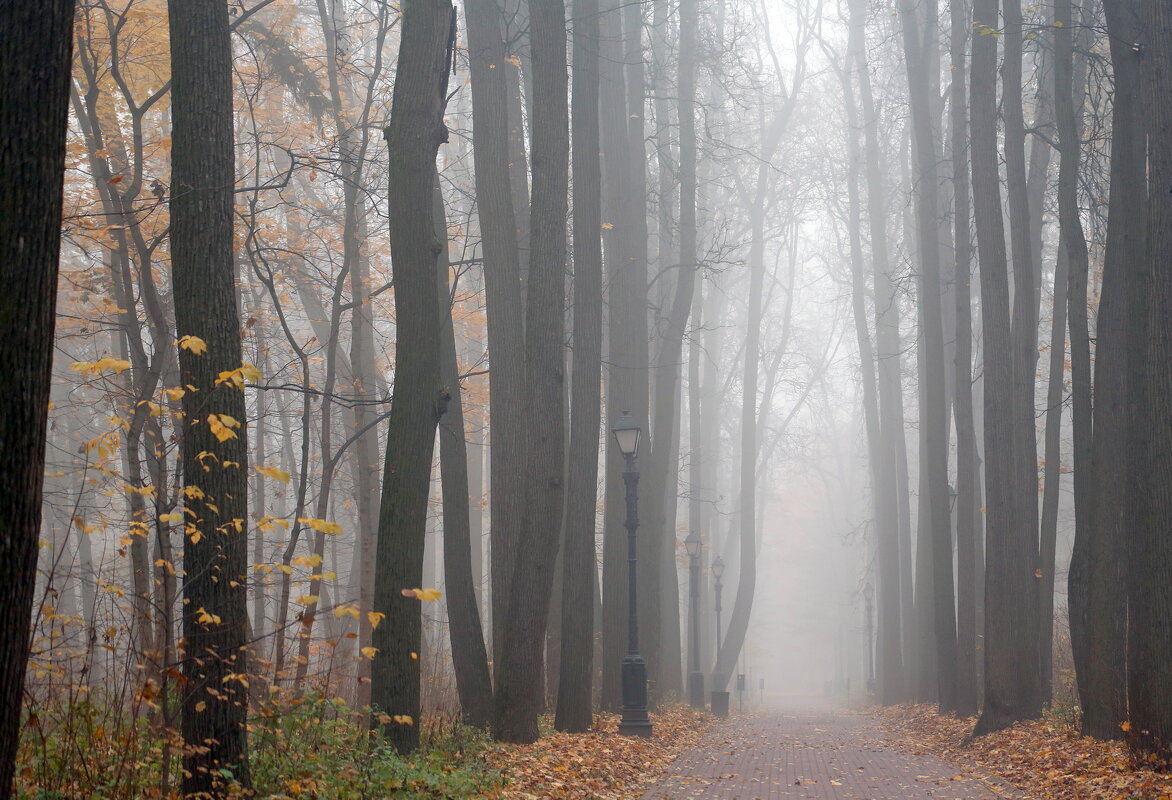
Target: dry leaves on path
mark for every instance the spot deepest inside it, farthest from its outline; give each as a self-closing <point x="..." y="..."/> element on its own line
<point x="599" y="764"/>
<point x="1045" y="758"/>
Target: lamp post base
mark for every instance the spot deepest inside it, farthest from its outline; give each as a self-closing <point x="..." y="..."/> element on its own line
<point x="696" y="689"/>
<point x="635" y="720"/>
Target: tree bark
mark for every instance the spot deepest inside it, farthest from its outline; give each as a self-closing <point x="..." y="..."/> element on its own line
<point x="34" y="98"/>
<point x="214" y="442"/>
<point x="1149" y="631"/>
<point x="418" y="399"/>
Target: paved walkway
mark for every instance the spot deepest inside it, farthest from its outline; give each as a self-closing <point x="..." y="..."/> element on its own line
<point x="814" y="755"/>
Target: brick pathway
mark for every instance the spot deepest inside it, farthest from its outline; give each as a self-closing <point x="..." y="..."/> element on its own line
<point x="814" y="755"/>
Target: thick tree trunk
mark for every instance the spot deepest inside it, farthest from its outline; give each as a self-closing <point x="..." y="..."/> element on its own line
<point x="1149" y="668"/>
<point x="1098" y="587"/>
<point x="418" y="399"/>
<point x="34" y="97"/>
<point x="214" y="443"/>
<point x="574" y="700"/>
<point x="519" y="698"/>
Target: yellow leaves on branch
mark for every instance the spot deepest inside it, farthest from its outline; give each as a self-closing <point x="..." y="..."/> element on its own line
<point x="94" y="368"/>
<point x="426" y="595"/>
<point x="269" y="523"/>
<point x="275" y="473"/>
<point x="222" y="425"/>
<point x="237" y="377"/>
<point x="193" y="344"/>
<point x="204" y="618"/>
<point x="307" y="600"/>
<point x="399" y="719"/>
<point x="332" y="528"/>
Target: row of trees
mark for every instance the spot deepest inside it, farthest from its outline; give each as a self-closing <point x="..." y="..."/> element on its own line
<point x="984" y="177"/>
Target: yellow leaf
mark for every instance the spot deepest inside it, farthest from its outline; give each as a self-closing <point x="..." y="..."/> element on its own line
<point x="174" y="517"/>
<point x="175" y="395"/>
<point x="307" y="600"/>
<point x="369" y="652"/>
<point x="114" y="365"/>
<point x="307" y="561"/>
<point x="200" y="706"/>
<point x="322" y="525"/>
<point x="196" y="345"/>
<point x="275" y="473"/>
<point x="221" y="425"/>
<point x="288" y="570"/>
<point x="375" y="618"/>
<point x="343" y="611"/>
<point x="403" y="719"/>
<point x="204" y="618"/>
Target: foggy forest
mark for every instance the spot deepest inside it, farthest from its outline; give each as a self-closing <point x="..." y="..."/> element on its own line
<point x="600" y="399"/>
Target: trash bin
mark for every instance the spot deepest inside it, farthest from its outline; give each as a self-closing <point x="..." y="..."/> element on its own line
<point x="720" y="704"/>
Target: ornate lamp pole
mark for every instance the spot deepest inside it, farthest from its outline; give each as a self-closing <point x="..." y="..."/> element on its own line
<point x="717" y="572"/>
<point x="635" y="721"/>
<point x="695" y="677"/>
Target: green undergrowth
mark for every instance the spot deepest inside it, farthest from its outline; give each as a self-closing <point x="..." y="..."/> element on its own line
<point x="308" y="747"/>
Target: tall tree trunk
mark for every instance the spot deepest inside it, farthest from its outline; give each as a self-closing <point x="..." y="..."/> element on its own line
<point x="1149" y="668"/>
<point x="37" y="40"/>
<point x="1097" y="582"/>
<point x="626" y="340"/>
<point x="1025" y="336"/>
<point x="502" y="284"/>
<point x="574" y="701"/>
<point x="215" y="559"/>
<point x="418" y="399"/>
<point x="1010" y="590"/>
<point x="519" y="698"/>
<point x="469" y="658"/>
<point x="966" y="438"/>
<point x="934" y="414"/>
<point x="889" y="666"/>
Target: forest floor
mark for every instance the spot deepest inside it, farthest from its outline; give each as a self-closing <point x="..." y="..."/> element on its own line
<point x="599" y="764"/>
<point x="1045" y="759"/>
<point x="817" y="753"/>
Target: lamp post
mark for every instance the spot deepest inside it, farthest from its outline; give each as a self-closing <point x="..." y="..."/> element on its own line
<point x="869" y="597"/>
<point x="635" y="721"/>
<point x="717" y="572"/>
<point x="695" y="677"/>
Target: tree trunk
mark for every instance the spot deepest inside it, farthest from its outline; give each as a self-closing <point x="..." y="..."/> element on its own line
<point x="1098" y="590"/>
<point x="37" y="40"/>
<point x="418" y="399"/>
<point x="214" y="441"/>
<point x="1010" y="589"/>
<point x="966" y="438"/>
<point x="469" y="658"/>
<point x="506" y="342"/>
<point x="574" y="701"/>
<point x="1149" y="669"/>
<point x="934" y="414"/>
<point x="519" y="698"/>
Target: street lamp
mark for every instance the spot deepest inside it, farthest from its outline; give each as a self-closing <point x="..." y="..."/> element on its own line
<point x="695" y="677"/>
<point x="635" y="721"/>
<point x="869" y="597"/>
<point x="719" y="696"/>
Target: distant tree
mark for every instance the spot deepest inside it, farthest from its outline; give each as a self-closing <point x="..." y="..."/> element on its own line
<point x="418" y="399"/>
<point x="37" y="40"/>
<point x="214" y="441"/>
